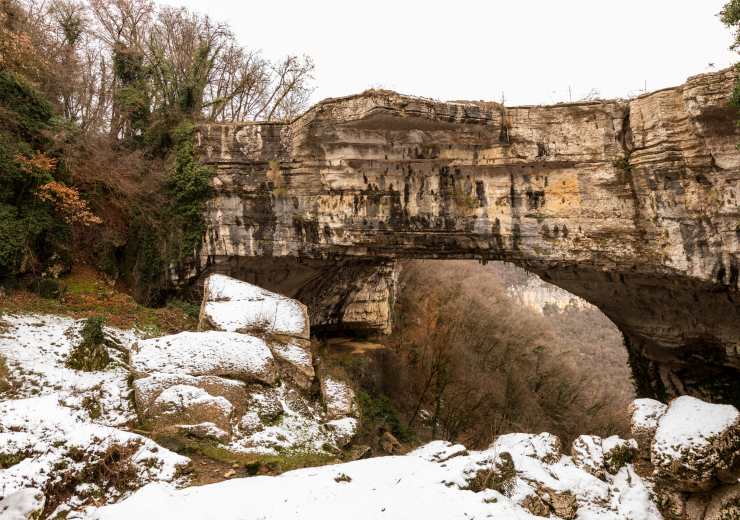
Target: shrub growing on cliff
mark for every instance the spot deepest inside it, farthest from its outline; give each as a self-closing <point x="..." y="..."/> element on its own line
<point x="189" y="189"/>
<point x="730" y="16"/>
<point x="378" y="412"/>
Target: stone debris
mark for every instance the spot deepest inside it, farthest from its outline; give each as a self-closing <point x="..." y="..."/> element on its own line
<point x="601" y="456"/>
<point x="644" y="417"/>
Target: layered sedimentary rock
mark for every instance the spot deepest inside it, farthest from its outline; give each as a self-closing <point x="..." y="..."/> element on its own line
<point x="631" y="205"/>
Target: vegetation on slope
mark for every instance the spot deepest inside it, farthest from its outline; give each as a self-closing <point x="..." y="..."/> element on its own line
<point x="83" y="293"/>
<point x="730" y="16"/>
<point x="466" y="363"/>
<point x="100" y="169"/>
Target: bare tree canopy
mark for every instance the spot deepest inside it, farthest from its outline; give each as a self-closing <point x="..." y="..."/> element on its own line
<point x="128" y="64"/>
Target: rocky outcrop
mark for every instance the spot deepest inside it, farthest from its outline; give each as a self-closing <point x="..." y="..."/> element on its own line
<point x="601" y="456"/>
<point x="697" y="445"/>
<point x="631" y="205"/>
<point x="644" y="417"/>
<point x="694" y="461"/>
<point x="247" y="384"/>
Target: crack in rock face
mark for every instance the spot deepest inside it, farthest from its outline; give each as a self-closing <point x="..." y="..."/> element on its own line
<point x="630" y="204"/>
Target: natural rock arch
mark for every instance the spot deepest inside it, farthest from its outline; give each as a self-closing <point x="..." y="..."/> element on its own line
<point x="631" y="205"/>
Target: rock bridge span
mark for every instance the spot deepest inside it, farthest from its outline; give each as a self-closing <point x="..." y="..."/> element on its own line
<point x="632" y="205"/>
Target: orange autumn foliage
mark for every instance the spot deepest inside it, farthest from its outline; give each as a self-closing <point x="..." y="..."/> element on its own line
<point x="40" y="161"/>
<point x="68" y="202"/>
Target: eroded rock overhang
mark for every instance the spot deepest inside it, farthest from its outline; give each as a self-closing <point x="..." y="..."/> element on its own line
<point x="630" y="204"/>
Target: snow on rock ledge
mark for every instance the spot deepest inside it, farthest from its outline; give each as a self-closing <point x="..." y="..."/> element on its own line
<point x="212" y="353"/>
<point x="235" y="306"/>
<point x="696" y="444"/>
<point x="644" y="417"/>
<point x="601" y="456"/>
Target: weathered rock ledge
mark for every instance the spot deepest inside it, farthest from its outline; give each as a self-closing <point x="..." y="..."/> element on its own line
<point x="630" y="204"/>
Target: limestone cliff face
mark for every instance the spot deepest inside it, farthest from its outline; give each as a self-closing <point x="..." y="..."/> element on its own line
<point x="632" y="205"/>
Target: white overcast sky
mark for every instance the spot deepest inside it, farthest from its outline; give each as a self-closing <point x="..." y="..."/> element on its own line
<point x="531" y="50"/>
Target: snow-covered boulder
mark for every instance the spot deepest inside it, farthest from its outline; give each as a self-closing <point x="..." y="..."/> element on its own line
<point x="338" y="397"/>
<point x="601" y="456"/>
<point x="235" y="306"/>
<point x="644" y="417"/>
<point x="696" y="444"/>
<point x="213" y="353"/>
<point x="544" y="447"/>
<point x="147" y="389"/>
<point x="189" y="405"/>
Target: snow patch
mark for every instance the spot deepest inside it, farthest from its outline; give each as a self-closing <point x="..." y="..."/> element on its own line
<point x="206" y="353"/>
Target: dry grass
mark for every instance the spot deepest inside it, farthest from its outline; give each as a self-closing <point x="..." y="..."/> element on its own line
<point x="88" y="294"/>
<point x="211" y="462"/>
<point x="5" y="382"/>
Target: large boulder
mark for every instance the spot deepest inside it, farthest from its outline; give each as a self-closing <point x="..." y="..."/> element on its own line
<point x="696" y="445"/>
<point x="644" y="417"/>
<point x="212" y="353"/>
<point x="235" y="306"/>
<point x="544" y="447"/>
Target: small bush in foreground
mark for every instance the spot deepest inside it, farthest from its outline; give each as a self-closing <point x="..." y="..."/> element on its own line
<point x="90" y="354"/>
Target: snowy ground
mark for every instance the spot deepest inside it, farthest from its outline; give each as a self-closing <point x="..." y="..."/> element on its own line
<point x="62" y="428"/>
<point x="36" y="347"/>
<point x="65" y="449"/>
<point x="430" y="483"/>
